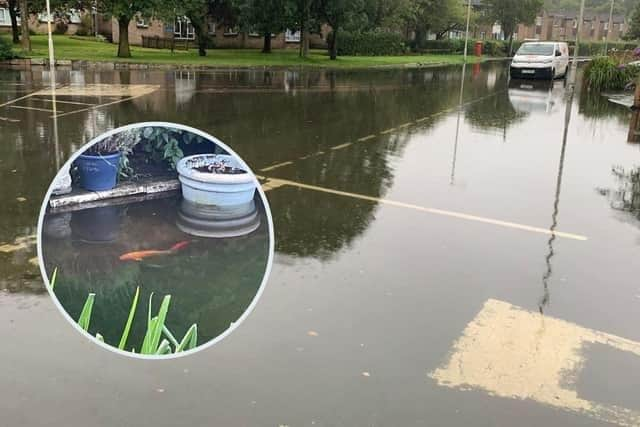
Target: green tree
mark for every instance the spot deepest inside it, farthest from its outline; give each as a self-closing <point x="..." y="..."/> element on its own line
<point x="634" y="25"/>
<point x="338" y="14"/>
<point x="265" y="17"/>
<point x="510" y="13"/>
<point x="124" y="11"/>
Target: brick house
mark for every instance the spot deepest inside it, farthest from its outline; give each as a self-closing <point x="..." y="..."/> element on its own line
<point x="564" y="26"/>
<point x="221" y="35"/>
<point x="38" y="22"/>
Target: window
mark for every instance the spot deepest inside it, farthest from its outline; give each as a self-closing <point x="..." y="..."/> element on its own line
<point x="606" y="26"/>
<point x="292" y="36"/>
<point x="183" y="29"/>
<point x="212" y="28"/>
<point x="142" y="23"/>
<point x="42" y="17"/>
<point x="539" y="21"/>
<point x="5" y="18"/>
<point x="231" y="31"/>
<point x="575" y="23"/>
<point x="74" y="16"/>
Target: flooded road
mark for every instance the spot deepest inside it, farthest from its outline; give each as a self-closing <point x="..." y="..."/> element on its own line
<point x="416" y="249"/>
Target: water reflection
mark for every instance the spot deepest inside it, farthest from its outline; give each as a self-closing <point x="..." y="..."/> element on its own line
<point x="218" y="221"/>
<point x="212" y="280"/>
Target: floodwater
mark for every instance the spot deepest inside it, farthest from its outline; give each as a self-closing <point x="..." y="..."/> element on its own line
<point x="434" y="265"/>
<point x="212" y="280"/>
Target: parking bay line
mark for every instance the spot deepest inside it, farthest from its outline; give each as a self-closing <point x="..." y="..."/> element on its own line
<point x="46" y="110"/>
<point x="434" y="211"/>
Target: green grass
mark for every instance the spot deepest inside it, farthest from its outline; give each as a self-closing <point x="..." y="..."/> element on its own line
<point x="75" y="48"/>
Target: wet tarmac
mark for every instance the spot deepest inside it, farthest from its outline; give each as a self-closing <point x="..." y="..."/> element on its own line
<point x="434" y="265"/>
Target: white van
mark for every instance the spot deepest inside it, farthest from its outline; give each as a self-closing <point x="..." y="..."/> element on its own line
<point x="547" y="60"/>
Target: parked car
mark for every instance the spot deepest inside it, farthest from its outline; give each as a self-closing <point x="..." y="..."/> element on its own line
<point x="548" y="60"/>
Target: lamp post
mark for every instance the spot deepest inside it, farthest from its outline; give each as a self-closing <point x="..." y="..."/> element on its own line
<point x="466" y="37"/>
<point x="610" y="28"/>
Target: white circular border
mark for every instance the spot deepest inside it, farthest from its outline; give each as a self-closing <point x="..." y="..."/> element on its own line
<point x="233" y="325"/>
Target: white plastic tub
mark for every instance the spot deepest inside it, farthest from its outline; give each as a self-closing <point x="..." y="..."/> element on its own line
<point x="214" y="189"/>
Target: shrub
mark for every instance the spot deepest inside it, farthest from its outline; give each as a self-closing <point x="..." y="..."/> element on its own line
<point x="370" y="43"/>
<point x="6" y="51"/>
<point x="60" y="28"/>
<point x="86" y="25"/>
<point x="605" y="73"/>
<point x="597" y="48"/>
<point x="441" y="46"/>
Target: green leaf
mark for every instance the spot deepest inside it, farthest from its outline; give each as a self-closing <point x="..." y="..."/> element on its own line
<point x="52" y="282"/>
<point x="170" y="336"/>
<point x="164" y="347"/>
<point x="127" y="327"/>
<point x="149" y="312"/>
<point x="154" y="331"/>
<point x="190" y="339"/>
<point x="85" y="314"/>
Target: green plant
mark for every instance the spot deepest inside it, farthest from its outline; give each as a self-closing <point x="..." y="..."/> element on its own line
<point x="164" y="144"/>
<point x="606" y="73"/>
<point x="370" y="43"/>
<point x="61" y="27"/>
<point x="153" y="343"/>
<point x="85" y="26"/>
<point x="6" y="50"/>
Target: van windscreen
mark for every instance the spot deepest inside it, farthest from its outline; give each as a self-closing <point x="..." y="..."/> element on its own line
<point x="536" y="49"/>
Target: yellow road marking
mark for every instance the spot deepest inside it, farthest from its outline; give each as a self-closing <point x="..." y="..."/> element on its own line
<point x="435" y="211"/>
<point x="17" y="99"/>
<point x="20" y="243"/>
<point x="64" y="102"/>
<point x="99" y="106"/>
<point x="513" y="353"/>
<point x="367" y="138"/>
<point x="271" y="185"/>
<point x="101" y="89"/>
<point x="387" y="131"/>
<point x="46" y="110"/>
<point x="405" y="125"/>
<point x="341" y="146"/>
<point x="276" y="166"/>
<point x="7" y="119"/>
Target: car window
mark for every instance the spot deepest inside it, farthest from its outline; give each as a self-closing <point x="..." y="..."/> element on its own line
<point x="536" y="49"/>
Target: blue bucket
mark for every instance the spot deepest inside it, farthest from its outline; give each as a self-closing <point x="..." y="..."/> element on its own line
<point x="98" y="172"/>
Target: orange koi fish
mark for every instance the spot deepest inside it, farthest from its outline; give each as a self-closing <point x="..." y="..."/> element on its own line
<point x="140" y="255"/>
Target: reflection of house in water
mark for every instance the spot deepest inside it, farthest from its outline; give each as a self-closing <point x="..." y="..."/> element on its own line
<point x="185" y="86"/>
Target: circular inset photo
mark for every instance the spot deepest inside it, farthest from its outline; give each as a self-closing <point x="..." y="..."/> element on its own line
<point x="155" y="240"/>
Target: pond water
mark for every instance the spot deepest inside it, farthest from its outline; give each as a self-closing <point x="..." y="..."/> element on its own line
<point x="211" y="280"/>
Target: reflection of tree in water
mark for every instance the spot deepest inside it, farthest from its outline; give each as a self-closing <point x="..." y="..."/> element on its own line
<point x="626" y="197"/>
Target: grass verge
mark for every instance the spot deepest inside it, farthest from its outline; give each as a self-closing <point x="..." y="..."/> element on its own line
<point x="75" y="48"/>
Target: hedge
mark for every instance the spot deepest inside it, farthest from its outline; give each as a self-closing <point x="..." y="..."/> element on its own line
<point x="370" y="43"/>
<point x="6" y="51"/>
<point x="597" y="48"/>
<point x="607" y="73"/>
<point x="448" y="46"/>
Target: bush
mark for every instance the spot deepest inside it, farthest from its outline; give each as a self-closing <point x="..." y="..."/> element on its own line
<point x="86" y="25"/>
<point x="605" y="73"/>
<point x="60" y="28"/>
<point x="597" y="48"/>
<point x="6" y="51"/>
<point x="448" y="46"/>
<point x="370" y="43"/>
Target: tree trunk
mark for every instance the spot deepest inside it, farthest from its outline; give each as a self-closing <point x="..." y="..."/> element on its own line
<point x="123" y="42"/>
<point x="420" y="37"/>
<point x="333" y="53"/>
<point x="266" y="48"/>
<point x="511" y="45"/>
<point x="25" y="40"/>
<point x="304" y="29"/>
<point x="15" y="31"/>
<point x="202" y="36"/>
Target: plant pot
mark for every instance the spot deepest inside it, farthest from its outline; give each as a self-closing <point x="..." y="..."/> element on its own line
<point x="98" y="172"/>
<point x="215" y="189"/>
<point x="218" y="221"/>
<point x="97" y="225"/>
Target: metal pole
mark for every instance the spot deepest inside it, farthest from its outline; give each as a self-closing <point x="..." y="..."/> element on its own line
<point x="51" y="57"/>
<point x="610" y="28"/>
<point x="574" y="65"/>
<point x="466" y="38"/>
